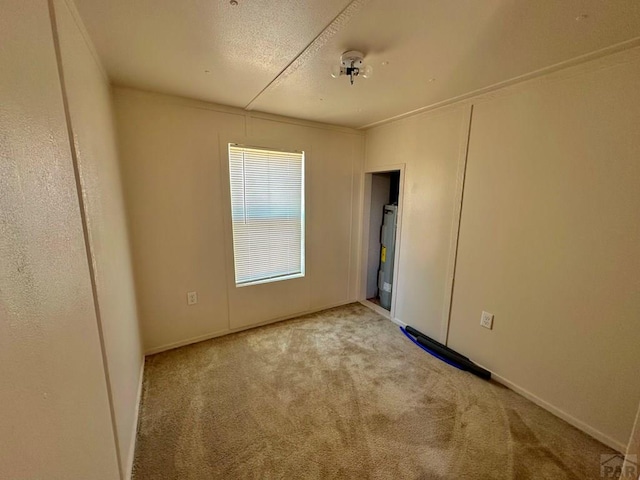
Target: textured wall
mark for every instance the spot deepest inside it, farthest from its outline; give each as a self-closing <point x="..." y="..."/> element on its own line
<point x="549" y="238"/>
<point x="550" y="244"/>
<point x="176" y="189"/>
<point x="54" y="421"/>
<point x="89" y="101"/>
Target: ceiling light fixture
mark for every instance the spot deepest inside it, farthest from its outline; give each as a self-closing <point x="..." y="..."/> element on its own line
<point x="352" y="66"/>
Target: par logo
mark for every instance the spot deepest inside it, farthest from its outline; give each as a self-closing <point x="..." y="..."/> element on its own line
<point x="615" y="466"/>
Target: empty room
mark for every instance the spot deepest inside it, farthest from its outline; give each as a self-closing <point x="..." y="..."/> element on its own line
<point x="319" y="239"/>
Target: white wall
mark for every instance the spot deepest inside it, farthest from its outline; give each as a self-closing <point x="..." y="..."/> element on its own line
<point x="55" y="421"/>
<point x="429" y="145"/>
<point x="550" y="244"/>
<point x="174" y="169"/>
<point x="549" y="239"/>
<point x="89" y="100"/>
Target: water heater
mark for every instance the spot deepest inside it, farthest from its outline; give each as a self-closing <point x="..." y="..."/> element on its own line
<point x="387" y="254"/>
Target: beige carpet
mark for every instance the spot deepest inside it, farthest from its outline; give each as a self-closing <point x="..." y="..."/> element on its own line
<point x="341" y="394"/>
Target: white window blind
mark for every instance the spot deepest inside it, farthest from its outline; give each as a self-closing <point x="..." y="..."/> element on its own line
<point x="267" y="210"/>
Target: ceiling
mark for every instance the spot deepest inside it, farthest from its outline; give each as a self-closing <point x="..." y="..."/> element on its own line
<point x="276" y="56"/>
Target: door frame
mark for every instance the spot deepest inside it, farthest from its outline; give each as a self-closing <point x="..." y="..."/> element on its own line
<point x="364" y="251"/>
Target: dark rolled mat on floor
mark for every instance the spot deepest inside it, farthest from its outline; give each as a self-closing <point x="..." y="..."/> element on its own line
<point x="419" y="334"/>
<point x="448" y="355"/>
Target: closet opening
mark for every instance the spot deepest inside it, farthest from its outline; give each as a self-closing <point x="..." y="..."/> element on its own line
<point x="382" y="237"/>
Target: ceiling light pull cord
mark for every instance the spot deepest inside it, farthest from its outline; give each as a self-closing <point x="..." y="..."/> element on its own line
<point x="352" y="72"/>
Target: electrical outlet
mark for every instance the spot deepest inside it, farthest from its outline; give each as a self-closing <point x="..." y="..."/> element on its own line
<point x="192" y="298"/>
<point x="486" y="320"/>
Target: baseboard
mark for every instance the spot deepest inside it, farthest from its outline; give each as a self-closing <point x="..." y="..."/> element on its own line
<point x="134" y="432"/>
<point x="376" y="308"/>
<point x="227" y="331"/>
<point x="400" y="323"/>
<point x="580" y="425"/>
<point x="188" y="341"/>
<point x="382" y="311"/>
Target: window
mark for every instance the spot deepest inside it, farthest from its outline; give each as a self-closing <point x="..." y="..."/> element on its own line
<point x="267" y="213"/>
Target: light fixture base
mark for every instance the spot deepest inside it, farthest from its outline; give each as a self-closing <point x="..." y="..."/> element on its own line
<point x="351" y="64"/>
<point x="352" y="59"/>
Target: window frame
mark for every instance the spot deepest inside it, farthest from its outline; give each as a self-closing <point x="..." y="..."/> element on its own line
<point x="226" y="146"/>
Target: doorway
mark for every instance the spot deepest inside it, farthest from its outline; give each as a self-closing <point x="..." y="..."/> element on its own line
<point x="383" y="202"/>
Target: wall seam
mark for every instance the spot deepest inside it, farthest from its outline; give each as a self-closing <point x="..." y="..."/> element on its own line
<point x="459" y="224"/>
<point x="85" y="229"/>
<point x="85" y="35"/>
<point x="351" y="226"/>
<point x="360" y="200"/>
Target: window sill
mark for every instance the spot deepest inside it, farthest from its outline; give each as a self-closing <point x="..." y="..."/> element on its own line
<point x="270" y="280"/>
